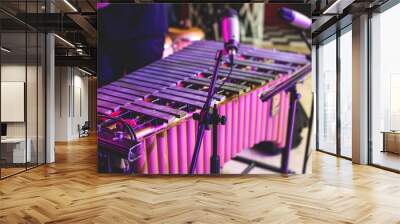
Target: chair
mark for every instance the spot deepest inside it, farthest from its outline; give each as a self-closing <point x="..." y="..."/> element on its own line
<point x="84" y="130"/>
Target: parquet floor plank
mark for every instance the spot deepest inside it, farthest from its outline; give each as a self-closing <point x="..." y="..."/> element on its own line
<point x="71" y="191"/>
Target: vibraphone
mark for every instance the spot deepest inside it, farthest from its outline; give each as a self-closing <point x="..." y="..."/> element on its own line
<point x="146" y="116"/>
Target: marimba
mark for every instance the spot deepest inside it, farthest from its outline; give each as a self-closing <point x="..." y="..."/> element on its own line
<point x="146" y="116"/>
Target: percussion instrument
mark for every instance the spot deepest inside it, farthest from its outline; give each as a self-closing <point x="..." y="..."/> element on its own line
<point x="146" y="116"/>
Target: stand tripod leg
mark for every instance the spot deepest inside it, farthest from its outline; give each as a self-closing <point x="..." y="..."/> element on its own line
<point x="310" y="124"/>
<point x="199" y="139"/>
<point x="294" y="97"/>
<point x="215" y="169"/>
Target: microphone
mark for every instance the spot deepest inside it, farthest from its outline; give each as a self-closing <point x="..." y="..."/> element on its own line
<point x="295" y="18"/>
<point x="230" y="33"/>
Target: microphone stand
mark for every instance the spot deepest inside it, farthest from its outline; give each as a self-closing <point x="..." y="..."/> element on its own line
<point x="290" y="87"/>
<point x="306" y="153"/>
<point x="294" y="99"/>
<point x="310" y="125"/>
<point x="304" y="37"/>
<point x="207" y="118"/>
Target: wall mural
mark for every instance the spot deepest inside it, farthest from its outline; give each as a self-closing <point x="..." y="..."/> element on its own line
<point x="161" y="109"/>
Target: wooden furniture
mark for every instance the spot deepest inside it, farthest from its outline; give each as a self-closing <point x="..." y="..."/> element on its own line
<point x="391" y="141"/>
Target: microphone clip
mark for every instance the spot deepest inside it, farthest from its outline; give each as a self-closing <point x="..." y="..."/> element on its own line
<point x="229" y="53"/>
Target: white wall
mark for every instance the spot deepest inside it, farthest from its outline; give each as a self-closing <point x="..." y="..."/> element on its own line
<point x="71" y="102"/>
<point x="13" y="101"/>
<point x="80" y="111"/>
<point x="33" y="127"/>
<point x="17" y="73"/>
<point x="12" y="73"/>
<point x="61" y="103"/>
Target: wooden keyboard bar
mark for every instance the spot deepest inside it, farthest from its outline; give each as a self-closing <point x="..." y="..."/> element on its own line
<point x="240" y="77"/>
<point x="142" y="83"/>
<point x="150" y="80"/>
<point x="151" y="113"/>
<point x="101" y="110"/>
<point x="170" y="64"/>
<point x="262" y="75"/>
<point x="146" y="90"/>
<point x="185" y="95"/>
<point x="197" y="92"/>
<point x="166" y="73"/>
<point x="160" y="76"/>
<point x="120" y="101"/>
<point x="179" y="99"/>
<point x="203" y="83"/>
<point x="192" y="63"/>
<point x="124" y="90"/>
<point x="108" y="105"/>
<point x="160" y="108"/>
<point x="190" y="69"/>
<point x="117" y="94"/>
<point x="180" y="72"/>
<point x="219" y="82"/>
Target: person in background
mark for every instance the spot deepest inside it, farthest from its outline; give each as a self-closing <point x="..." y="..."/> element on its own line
<point x="130" y="36"/>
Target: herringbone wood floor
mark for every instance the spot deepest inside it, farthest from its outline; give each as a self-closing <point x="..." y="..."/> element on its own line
<point x="70" y="191"/>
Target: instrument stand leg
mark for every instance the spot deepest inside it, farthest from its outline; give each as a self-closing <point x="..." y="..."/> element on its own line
<point x="199" y="139"/>
<point x="216" y="120"/>
<point x="294" y="97"/>
<point x="310" y="124"/>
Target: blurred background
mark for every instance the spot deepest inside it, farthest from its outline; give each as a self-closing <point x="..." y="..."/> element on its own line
<point x="260" y="23"/>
